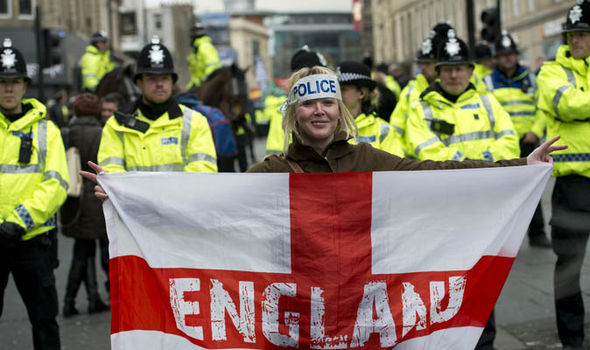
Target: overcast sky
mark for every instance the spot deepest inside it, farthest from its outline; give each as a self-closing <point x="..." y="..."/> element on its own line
<point x="273" y="5"/>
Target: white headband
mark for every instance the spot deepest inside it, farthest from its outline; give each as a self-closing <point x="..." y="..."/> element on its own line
<point x="313" y="87"/>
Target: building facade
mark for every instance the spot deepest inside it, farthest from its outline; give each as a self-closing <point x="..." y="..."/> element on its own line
<point x="399" y="26"/>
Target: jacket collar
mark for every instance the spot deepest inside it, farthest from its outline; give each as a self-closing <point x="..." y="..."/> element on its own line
<point x="435" y="93"/>
<point x="339" y="147"/>
<point x="171" y="107"/>
<point x="34" y="111"/>
<point x="565" y="59"/>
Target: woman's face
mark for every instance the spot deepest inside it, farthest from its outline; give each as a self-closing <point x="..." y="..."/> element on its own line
<point x="352" y="97"/>
<point x="317" y="120"/>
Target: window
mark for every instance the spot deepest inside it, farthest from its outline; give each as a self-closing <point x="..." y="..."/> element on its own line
<point x="158" y="21"/>
<point x="5" y="8"/>
<point x="26" y="8"/>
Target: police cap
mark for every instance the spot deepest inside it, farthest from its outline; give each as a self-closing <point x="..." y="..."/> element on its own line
<point x="155" y="58"/>
<point x="13" y="64"/>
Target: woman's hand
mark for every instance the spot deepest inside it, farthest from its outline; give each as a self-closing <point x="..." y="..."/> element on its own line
<point x="541" y="153"/>
<point x="98" y="190"/>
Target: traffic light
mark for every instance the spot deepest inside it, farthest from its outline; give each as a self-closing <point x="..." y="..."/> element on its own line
<point x="491" y="25"/>
<point x="51" y="40"/>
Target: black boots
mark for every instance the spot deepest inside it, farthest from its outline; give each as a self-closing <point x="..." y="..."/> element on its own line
<point x="75" y="276"/>
<point x="83" y="270"/>
<point x="95" y="304"/>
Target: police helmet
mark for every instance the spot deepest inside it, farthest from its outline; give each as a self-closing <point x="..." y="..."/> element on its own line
<point x="355" y="73"/>
<point x="482" y="51"/>
<point x="99" y="37"/>
<point x="156" y="59"/>
<point x="13" y="64"/>
<point x="505" y="44"/>
<point x="453" y="51"/>
<point x="427" y="51"/>
<point x="578" y="18"/>
<point x="198" y="30"/>
<point x="304" y="57"/>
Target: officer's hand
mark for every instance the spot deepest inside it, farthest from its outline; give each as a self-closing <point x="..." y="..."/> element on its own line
<point x="530" y="138"/>
<point x="10" y="232"/>
<point x="98" y="190"/>
<point x="541" y="153"/>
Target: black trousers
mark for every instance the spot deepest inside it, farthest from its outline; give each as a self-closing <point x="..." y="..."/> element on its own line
<point x="570" y="248"/>
<point x="31" y="269"/>
<point x="537" y="225"/>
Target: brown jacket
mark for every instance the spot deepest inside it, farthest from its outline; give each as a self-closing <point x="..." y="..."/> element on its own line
<point x="342" y="156"/>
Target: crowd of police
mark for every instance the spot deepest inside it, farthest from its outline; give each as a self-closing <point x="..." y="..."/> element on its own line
<point x="453" y="109"/>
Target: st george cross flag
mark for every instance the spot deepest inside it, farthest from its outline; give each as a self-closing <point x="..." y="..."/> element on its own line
<point x="411" y="260"/>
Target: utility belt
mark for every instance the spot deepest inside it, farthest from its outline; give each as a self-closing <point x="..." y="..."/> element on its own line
<point x="43" y="240"/>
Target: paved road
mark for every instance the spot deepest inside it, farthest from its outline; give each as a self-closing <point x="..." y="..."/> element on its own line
<point x="524" y="312"/>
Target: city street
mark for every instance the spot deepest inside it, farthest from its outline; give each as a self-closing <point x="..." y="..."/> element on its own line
<point x="524" y="312"/>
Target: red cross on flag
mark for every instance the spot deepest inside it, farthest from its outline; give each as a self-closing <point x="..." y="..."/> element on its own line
<point x="411" y="260"/>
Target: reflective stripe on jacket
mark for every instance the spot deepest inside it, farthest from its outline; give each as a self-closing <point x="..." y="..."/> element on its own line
<point x="564" y="97"/>
<point x="378" y="133"/>
<point x="32" y="192"/>
<point x="517" y="97"/>
<point x="95" y="64"/>
<point x="202" y="61"/>
<point x="482" y="129"/>
<point x="181" y="143"/>
<point x="399" y="117"/>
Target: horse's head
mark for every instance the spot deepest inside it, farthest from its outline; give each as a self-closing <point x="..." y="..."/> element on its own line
<point x="227" y="90"/>
<point x="119" y="80"/>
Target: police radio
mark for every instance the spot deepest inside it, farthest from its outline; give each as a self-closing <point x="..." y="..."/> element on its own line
<point x="441" y="126"/>
<point x="26" y="149"/>
<point x="131" y="122"/>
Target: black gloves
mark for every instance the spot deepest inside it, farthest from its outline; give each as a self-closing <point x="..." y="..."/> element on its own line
<point x="10" y="232"/>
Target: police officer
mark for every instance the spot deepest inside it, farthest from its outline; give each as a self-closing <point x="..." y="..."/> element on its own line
<point x="34" y="178"/>
<point x="515" y="88"/>
<point x="358" y="95"/>
<point x="426" y="59"/>
<point x="484" y="64"/>
<point x="96" y="62"/>
<point x="453" y="120"/>
<point x="564" y="97"/>
<point x="203" y="60"/>
<point x="156" y="133"/>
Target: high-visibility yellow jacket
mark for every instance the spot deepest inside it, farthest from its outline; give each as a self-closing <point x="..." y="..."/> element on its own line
<point x="399" y="116"/>
<point x="94" y="64"/>
<point x="202" y="61"/>
<point x="564" y="97"/>
<point x="393" y="85"/>
<point x="479" y="71"/>
<point x="517" y="97"/>
<point x="32" y="192"/>
<point x="378" y="133"/>
<point x="276" y="135"/>
<point x="178" y="140"/>
<point x="474" y="127"/>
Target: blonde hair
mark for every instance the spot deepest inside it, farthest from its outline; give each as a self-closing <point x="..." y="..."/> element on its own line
<point x="345" y="122"/>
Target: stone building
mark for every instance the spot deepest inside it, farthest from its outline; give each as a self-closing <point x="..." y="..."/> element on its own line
<point x="399" y="26"/>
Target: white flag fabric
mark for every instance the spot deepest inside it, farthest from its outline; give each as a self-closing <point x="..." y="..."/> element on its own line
<point x="411" y="260"/>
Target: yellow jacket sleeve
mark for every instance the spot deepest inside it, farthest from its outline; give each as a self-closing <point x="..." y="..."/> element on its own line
<point x="200" y="152"/>
<point x="276" y="135"/>
<point x="506" y="145"/>
<point x="559" y="97"/>
<point x="90" y="71"/>
<point x="40" y="205"/>
<point x="111" y="152"/>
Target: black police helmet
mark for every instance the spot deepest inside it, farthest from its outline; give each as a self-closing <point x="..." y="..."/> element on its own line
<point x="99" y="37"/>
<point x="427" y="51"/>
<point x="12" y="62"/>
<point x="453" y="51"/>
<point x="355" y="73"/>
<point x="198" y="30"/>
<point x="482" y="51"/>
<point x="505" y="44"/>
<point x="156" y="59"/>
<point x="304" y="57"/>
<point x="578" y="18"/>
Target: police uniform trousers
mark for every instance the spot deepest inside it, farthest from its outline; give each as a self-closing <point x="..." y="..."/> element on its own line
<point x="31" y="268"/>
<point x="537" y="225"/>
<point x="569" y="244"/>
